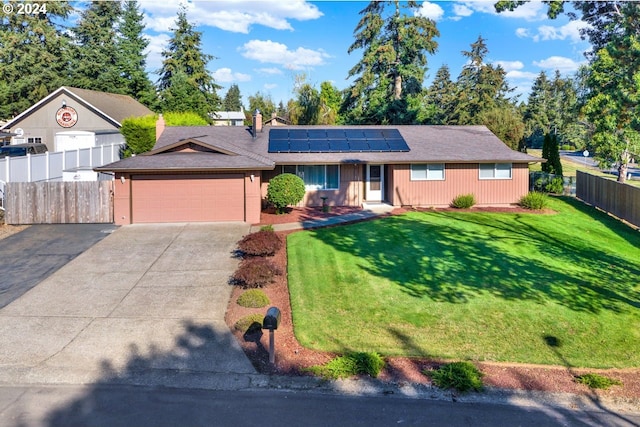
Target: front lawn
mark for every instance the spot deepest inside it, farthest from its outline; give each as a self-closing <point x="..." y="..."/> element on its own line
<point x="558" y="288"/>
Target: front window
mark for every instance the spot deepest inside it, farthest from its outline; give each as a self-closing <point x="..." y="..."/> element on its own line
<point x="427" y="172"/>
<point x="495" y="170"/>
<point x="316" y="177"/>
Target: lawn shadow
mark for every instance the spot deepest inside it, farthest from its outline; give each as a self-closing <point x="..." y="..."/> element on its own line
<point x="459" y="260"/>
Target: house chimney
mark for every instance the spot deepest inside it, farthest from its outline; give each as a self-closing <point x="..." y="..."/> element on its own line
<point x="160" y="125"/>
<point x="257" y="123"/>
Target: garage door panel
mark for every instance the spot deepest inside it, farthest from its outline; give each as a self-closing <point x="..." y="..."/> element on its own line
<point x="202" y="198"/>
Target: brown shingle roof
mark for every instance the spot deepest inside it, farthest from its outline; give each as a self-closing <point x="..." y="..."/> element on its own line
<point x="116" y="106"/>
<point x="435" y="144"/>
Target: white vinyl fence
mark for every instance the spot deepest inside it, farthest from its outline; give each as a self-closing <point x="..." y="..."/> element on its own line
<point x="49" y="167"/>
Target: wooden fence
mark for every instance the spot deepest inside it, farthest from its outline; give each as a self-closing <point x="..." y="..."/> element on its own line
<point x="621" y="200"/>
<point x="80" y="202"/>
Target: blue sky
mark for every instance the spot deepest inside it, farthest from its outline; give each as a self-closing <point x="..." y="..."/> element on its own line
<point x="263" y="45"/>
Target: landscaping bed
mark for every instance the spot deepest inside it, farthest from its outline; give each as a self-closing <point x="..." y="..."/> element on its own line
<point x="293" y="359"/>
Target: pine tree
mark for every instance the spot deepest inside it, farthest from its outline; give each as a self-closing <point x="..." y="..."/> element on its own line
<point x="95" y="56"/>
<point x="441" y="96"/>
<point x="232" y="100"/>
<point x="390" y="74"/>
<point x="185" y="65"/>
<point x="131" y="59"/>
<point x="33" y="56"/>
<point x="481" y="87"/>
<point x="546" y="149"/>
<point x="555" y="165"/>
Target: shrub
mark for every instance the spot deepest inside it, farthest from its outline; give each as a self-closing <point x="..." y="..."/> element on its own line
<point x="260" y="243"/>
<point x="255" y="273"/>
<point x="284" y="190"/>
<point x="253" y="298"/>
<point x="597" y="381"/>
<point x="139" y="134"/>
<point x="186" y="118"/>
<point x="462" y="376"/>
<point x="464" y="201"/>
<point x="350" y="364"/>
<point x="556" y="186"/>
<point x="249" y="323"/>
<point x="267" y="227"/>
<point x="534" y="200"/>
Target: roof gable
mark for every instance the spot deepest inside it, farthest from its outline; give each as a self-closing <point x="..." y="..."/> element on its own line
<point x="190" y="145"/>
<point x="111" y="106"/>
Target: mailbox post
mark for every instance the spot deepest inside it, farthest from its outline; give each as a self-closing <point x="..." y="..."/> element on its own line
<point x="271" y="322"/>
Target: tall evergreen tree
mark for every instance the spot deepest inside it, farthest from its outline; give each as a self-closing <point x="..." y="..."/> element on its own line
<point x="394" y="45"/>
<point x="95" y="56"/>
<point x="186" y="64"/>
<point x="232" y="100"/>
<point x="131" y="59"/>
<point x="33" y="56"/>
<point x="441" y="94"/>
<point x="481" y="87"/>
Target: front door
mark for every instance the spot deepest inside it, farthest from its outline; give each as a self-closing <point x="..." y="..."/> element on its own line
<point x="375" y="178"/>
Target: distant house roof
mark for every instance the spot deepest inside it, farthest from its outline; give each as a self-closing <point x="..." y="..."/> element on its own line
<point x="277" y="121"/>
<point x="113" y="107"/>
<point x="228" y="115"/>
<point x="236" y="148"/>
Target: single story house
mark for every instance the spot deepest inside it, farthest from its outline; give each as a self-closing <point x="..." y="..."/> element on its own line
<point x="222" y="173"/>
<point x="228" y="118"/>
<point x="73" y="113"/>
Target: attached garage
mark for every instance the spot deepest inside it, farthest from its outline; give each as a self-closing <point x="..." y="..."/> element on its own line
<point x="187" y="198"/>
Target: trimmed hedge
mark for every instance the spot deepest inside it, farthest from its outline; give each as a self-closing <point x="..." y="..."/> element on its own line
<point x="255" y="273"/>
<point x="260" y="243"/>
<point x="284" y="190"/>
<point x="464" y="201"/>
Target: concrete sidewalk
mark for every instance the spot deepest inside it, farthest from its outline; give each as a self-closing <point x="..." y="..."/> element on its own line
<point x="144" y="306"/>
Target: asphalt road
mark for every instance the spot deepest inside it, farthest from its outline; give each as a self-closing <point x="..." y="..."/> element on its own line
<point x="115" y="406"/>
<point x="30" y="256"/>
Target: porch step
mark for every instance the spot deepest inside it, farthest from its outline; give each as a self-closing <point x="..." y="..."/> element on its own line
<point x="377" y="207"/>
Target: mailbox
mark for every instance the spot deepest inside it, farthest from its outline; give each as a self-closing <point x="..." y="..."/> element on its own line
<point x="272" y="319"/>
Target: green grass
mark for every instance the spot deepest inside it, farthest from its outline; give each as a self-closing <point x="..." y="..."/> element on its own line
<point x="549" y="289"/>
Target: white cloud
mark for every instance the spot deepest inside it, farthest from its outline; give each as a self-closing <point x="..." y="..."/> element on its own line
<point x="561" y="63"/>
<point x="267" y="51"/>
<point x="462" y="11"/>
<point x="525" y="75"/>
<point x="231" y="15"/>
<point x="510" y="65"/>
<point x="569" y="31"/>
<point x="157" y="44"/>
<point x="269" y="86"/>
<point x="531" y="11"/>
<point x="431" y="11"/>
<point x="225" y="75"/>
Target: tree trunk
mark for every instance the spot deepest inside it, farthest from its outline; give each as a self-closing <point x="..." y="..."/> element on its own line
<point x="397" y="87"/>
<point x="622" y="172"/>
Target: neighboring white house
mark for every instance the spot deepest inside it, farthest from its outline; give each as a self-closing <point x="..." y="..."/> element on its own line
<point x="229" y="118"/>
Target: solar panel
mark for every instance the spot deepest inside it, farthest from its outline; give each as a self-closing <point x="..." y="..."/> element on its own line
<point x="336" y="134"/>
<point x="373" y="134"/>
<point x="278" y="134"/>
<point x="397" y="145"/>
<point x="278" y="145"/>
<point x="319" y="146"/>
<point x="354" y="134"/>
<point x="336" y="140"/>
<point x="298" y="145"/>
<point x="378" y="145"/>
<point x="358" y="145"/>
<point x="338" y="145"/>
<point x="317" y="134"/>
<point x="298" y="134"/>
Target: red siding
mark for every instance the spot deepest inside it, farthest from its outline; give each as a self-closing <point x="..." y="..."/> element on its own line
<point x="459" y="179"/>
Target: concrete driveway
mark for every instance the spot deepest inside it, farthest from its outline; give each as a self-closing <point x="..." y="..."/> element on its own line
<point x="145" y="305"/>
